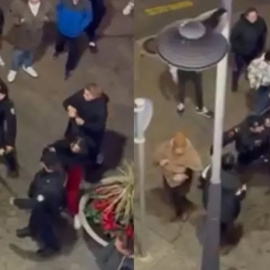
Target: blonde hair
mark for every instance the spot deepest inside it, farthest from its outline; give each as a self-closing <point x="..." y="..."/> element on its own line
<point x="94" y="89"/>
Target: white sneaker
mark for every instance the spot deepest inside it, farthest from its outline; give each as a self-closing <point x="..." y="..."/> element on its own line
<point x="180" y="107"/>
<point x="2" y="63"/>
<point x="77" y="223"/>
<point x="11" y="76"/>
<point x="128" y="9"/>
<point x="30" y="71"/>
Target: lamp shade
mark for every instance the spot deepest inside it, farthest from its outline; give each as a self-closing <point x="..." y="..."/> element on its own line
<point x="191" y="45"/>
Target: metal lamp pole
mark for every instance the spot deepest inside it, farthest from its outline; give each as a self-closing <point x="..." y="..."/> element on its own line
<point x="143" y="112"/>
<point x="212" y="240"/>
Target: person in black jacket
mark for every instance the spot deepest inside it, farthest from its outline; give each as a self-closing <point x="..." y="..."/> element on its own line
<point x="248" y="39"/>
<point x="232" y="194"/>
<point x="2" y="23"/>
<point x="46" y="201"/>
<point x="8" y="131"/>
<point x="73" y="155"/>
<point x="87" y="111"/>
<point x="99" y="11"/>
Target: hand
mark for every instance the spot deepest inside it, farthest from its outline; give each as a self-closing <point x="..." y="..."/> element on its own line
<point x="72" y="112"/>
<point x="52" y="149"/>
<point x="46" y="19"/>
<point x="22" y="20"/>
<point x="2" y="151"/>
<point x="79" y="121"/>
<point x="180" y="178"/>
<point x="9" y="148"/>
<point x="163" y="162"/>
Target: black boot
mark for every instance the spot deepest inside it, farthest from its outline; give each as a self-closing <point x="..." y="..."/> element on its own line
<point x="22" y="233"/>
<point x="12" y="164"/>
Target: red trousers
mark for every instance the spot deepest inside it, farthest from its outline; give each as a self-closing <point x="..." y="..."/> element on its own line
<point x="75" y="175"/>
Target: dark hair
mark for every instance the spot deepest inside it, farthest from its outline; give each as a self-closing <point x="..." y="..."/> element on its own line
<point x="50" y="159"/>
<point x="250" y="10"/>
<point x="227" y="161"/>
<point x="128" y="242"/>
<point x="94" y="89"/>
<point x="267" y="56"/>
<point x="252" y="119"/>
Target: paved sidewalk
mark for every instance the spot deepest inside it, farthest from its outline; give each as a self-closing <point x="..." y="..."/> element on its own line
<point x="174" y="245"/>
<point x="41" y="120"/>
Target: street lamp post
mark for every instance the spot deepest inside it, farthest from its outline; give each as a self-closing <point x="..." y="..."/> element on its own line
<point x="143" y="112"/>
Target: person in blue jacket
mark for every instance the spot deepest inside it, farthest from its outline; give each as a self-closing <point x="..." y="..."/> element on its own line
<point x="73" y="16"/>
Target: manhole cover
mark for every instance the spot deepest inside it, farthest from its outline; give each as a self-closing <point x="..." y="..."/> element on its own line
<point x="150" y="46"/>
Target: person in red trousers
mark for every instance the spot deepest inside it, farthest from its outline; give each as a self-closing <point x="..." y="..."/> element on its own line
<point x="73" y="155"/>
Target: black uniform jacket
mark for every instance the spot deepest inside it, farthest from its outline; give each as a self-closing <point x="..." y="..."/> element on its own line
<point x="8" y="123"/>
<point x="94" y="113"/>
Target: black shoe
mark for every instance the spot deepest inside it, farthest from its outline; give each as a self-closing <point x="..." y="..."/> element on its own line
<point x="93" y="47"/>
<point x="56" y="55"/>
<point x="205" y="112"/>
<point x="68" y="74"/>
<point x="22" y="233"/>
<point x="13" y="174"/>
<point x="47" y="252"/>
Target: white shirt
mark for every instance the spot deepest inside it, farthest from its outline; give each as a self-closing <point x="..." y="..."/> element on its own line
<point x="34" y="8"/>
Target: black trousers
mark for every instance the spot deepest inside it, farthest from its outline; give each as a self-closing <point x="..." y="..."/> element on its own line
<point x="11" y="161"/>
<point x="98" y="13"/>
<point x="196" y="79"/>
<point x="73" y="50"/>
<point x="241" y="62"/>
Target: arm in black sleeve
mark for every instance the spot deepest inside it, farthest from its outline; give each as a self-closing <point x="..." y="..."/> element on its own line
<point x="11" y="121"/>
<point x="2" y="136"/>
<point x="264" y="36"/>
<point x="235" y="37"/>
<point x="2" y="21"/>
<point x="60" y="145"/>
<point x="72" y="100"/>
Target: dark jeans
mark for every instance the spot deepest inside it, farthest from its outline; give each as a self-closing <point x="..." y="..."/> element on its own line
<point x="262" y="99"/>
<point x="241" y="62"/>
<point x="98" y="12"/>
<point x="73" y="50"/>
<point x="196" y="79"/>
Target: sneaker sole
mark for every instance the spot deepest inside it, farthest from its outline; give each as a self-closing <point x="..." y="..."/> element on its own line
<point x="206" y="116"/>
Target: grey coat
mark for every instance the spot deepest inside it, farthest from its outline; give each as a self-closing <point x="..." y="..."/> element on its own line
<point x="27" y="33"/>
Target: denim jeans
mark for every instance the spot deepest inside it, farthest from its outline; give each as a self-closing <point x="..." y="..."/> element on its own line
<point x="262" y="99"/>
<point x="21" y="58"/>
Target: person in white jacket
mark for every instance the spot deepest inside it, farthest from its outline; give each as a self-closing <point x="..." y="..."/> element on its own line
<point x="259" y="80"/>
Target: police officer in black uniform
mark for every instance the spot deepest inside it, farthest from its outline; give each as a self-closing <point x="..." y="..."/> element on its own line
<point x="46" y="201"/>
<point x="8" y="131"/>
<point x="232" y="193"/>
<point x="251" y="140"/>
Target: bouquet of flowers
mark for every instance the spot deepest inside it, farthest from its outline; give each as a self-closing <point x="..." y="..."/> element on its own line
<point x="112" y="203"/>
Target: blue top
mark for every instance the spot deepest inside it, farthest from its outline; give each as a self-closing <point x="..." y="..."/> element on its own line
<point x="73" y="19"/>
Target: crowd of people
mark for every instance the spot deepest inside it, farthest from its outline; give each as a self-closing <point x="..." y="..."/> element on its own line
<point x="178" y="159"/>
<point x="55" y="189"/>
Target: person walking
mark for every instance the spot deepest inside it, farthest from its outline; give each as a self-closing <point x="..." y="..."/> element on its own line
<point x="248" y="39"/>
<point x="178" y="160"/>
<point x="8" y="132"/>
<point x="259" y="80"/>
<point x="180" y="78"/>
<point x="46" y="201"/>
<point x="73" y="16"/>
<point x="29" y="17"/>
<point x="99" y="12"/>
<point x="88" y="112"/>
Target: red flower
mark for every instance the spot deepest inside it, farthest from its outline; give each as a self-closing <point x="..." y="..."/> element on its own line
<point x="100" y="205"/>
<point x="108" y="221"/>
<point x="130" y="231"/>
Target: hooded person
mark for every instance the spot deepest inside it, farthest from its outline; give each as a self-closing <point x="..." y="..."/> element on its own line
<point x="232" y="194"/>
<point x="248" y="39"/>
<point x="8" y="131"/>
<point x="178" y="160"/>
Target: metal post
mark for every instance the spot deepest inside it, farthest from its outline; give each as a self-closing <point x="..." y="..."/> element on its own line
<point x="212" y="236"/>
<point x="139" y="140"/>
